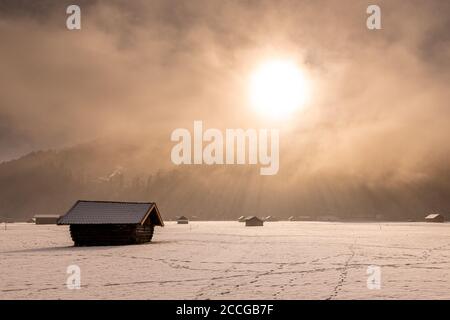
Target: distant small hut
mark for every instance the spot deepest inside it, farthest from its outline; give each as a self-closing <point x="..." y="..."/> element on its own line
<point x="182" y="220"/>
<point x="253" y="222"/>
<point x="270" y="219"/>
<point x="241" y="219"/>
<point x="103" y="223"/>
<point x="291" y="218"/>
<point x="46" y="219"/>
<point x="435" y="218"/>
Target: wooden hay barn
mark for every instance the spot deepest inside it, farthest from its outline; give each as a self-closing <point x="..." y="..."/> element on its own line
<point x="182" y="220"/>
<point x="253" y="222"/>
<point x="435" y="218"/>
<point x="46" y="219"/>
<point x="104" y="223"/>
<point x="241" y="219"/>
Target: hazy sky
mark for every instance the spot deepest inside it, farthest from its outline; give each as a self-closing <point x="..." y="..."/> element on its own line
<point x="143" y="68"/>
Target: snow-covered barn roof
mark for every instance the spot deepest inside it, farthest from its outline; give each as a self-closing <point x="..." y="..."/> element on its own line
<point x="432" y="216"/>
<point x="253" y="218"/>
<point x="111" y="212"/>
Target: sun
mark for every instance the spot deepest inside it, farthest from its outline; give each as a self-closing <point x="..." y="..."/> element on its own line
<point x="277" y="89"/>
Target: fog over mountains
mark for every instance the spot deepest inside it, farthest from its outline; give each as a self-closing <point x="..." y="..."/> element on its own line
<point x="49" y="182"/>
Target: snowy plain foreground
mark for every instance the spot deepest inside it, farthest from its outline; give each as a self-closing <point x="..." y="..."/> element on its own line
<point x="226" y="260"/>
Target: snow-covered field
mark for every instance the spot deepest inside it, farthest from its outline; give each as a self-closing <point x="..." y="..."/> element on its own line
<point x="226" y="260"/>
